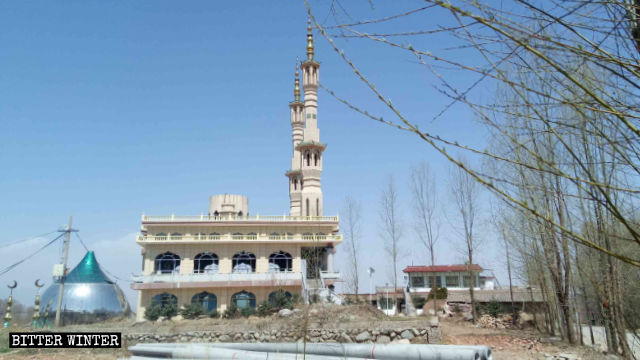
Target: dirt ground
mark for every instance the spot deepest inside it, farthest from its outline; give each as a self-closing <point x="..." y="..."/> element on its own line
<point x="505" y="343"/>
<point x="513" y="343"/>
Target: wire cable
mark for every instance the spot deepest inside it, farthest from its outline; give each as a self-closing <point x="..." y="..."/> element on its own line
<point x="10" y="267"/>
<point x="114" y="276"/>
<point x="81" y="242"/>
<point x="101" y="266"/>
<point x="25" y="240"/>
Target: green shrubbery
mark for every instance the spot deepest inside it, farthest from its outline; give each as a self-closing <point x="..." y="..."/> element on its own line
<point x="192" y="311"/>
<point x="153" y="312"/>
<point x="279" y="300"/>
<point x="248" y="311"/>
<point x="440" y="293"/>
<point x="493" y="308"/>
<point x="264" y="309"/>
<point x="231" y="312"/>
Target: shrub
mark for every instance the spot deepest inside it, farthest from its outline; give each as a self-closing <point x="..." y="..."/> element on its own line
<point x="265" y="308"/>
<point x="493" y="308"/>
<point x="231" y="312"/>
<point x="213" y="313"/>
<point x="191" y="311"/>
<point x="152" y="312"/>
<point x="440" y="293"/>
<point x="418" y="301"/>
<point x="295" y="298"/>
<point x="248" y="311"/>
<point x="169" y="310"/>
<point x="280" y="300"/>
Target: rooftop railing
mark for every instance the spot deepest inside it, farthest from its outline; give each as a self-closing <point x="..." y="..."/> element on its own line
<point x="212" y="218"/>
<point x="237" y="237"/>
<point x="171" y="277"/>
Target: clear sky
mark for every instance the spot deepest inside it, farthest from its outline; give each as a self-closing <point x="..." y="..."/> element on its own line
<point x="114" y="109"/>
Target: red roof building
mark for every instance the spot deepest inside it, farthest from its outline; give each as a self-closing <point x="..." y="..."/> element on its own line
<point x="443" y="268"/>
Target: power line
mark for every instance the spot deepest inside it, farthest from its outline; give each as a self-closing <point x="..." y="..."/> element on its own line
<point x="82" y="242"/>
<point x="10" y="267"/>
<point x="112" y="275"/>
<point x="101" y="266"/>
<point x="25" y="240"/>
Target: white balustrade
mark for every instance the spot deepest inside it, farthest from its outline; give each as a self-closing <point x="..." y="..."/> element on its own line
<point x="243" y="237"/>
<point x="211" y="218"/>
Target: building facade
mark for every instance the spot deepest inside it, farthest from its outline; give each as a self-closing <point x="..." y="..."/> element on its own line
<point x="452" y="277"/>
<point x="228" y="256"/>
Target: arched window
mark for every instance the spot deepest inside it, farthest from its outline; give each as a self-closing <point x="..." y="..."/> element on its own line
<point x="176" y="236"/>
<point x="280" y="261"/>
<point x="164" y="299"/>
<point x="301" y="184"/>
<point x="278" y="297"/>
<point x="161" y="236"/>
<point x="317" y="207"/>
<point x="274" y="236"/>
<point x="208" y="301"/>
<point x="237" y="236"/>
<point x="205" y="263"/>
<point x="315" y="159"/>
<point x="214" y="236"/>
<point x="240" y="213"/>
<point x="244" y="300"/>
<point x="308" y="157"/>
<point x="216" y="213"/>
<point x="167" y="263"/>
<point x="244" y="262"/>
<point x="307" y="203"/>
<point x="252" y="236"/>
<point x="295" y="184"/>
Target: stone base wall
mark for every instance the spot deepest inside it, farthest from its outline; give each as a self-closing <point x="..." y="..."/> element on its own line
<point x="430" y="335"/>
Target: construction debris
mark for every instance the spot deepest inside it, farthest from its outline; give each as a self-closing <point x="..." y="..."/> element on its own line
<point x="490" y="322"/>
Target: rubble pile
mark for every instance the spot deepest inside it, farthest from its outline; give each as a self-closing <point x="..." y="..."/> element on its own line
<point x="488" y="321"/>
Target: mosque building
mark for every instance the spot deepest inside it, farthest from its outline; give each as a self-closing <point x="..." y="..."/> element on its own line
<point x="229" y="256"/>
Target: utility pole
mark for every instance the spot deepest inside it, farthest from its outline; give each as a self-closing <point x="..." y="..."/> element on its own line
<point x="370" y="271"/>
<point x="67" y="237"/>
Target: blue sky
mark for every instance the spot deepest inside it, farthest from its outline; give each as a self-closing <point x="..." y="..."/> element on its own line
<point x="114" y="109"/>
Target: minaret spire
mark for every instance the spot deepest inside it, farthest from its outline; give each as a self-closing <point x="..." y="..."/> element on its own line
<point x="296" y="87"/>
<point x="309" y="41"/>
<point x="297" y="132"/>
<point x="305" y="190"/>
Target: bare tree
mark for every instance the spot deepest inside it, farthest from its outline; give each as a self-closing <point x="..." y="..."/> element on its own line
<point x="568" y="132"/>
<point x="391" y="230"/>
<point x="464" y="191"/>
<point x="351" y="220"/>
<point x="423" y="191"/>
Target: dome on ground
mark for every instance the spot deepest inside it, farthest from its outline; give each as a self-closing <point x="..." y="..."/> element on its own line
<point x="89" y="295"/>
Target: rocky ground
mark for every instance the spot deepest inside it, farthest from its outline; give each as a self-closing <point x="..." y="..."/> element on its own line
<point x="506" y="343"/>
<point x="324" y="323"/>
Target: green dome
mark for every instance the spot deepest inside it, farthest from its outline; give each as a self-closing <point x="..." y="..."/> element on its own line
<point x="87" y="271"/>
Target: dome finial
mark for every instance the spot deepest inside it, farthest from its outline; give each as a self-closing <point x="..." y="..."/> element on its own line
<point x="309" y="40"/>
<point x="296" y="88"/>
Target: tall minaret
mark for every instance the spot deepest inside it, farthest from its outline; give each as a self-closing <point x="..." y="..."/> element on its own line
<point x="297" y="127"/>
<point x="310" y="148"/>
